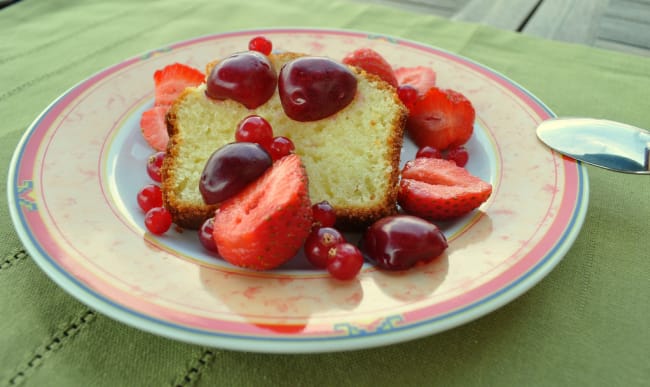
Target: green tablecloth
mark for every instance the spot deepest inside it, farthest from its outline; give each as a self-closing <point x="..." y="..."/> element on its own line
<point x="585" y="324"/>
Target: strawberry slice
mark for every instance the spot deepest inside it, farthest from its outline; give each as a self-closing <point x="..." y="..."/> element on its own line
<point x="420" y="77"/>
<point x="171" y="80"/>
<point x="153" y="126"/>
<point x="267" y="223"/>
<point x="372" y="62"/>
<point x="438" y="189"/>
<point x="441" y="119"/>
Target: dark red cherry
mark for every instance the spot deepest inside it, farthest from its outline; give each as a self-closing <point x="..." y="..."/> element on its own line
<point x="401" y="241"/>
<point x="312" y="88"/>
<point x="246" y="77"/>
<point x="230" y="169"/>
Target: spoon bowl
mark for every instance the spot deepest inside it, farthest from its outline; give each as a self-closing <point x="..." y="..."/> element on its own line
<point x="606" y="144"/>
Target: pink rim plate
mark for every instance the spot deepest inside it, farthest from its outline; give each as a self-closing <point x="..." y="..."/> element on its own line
<point x="75" y="174"/>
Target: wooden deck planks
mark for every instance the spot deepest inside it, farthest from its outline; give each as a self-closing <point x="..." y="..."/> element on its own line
<point x="625" y="23"/>
<point x="446" y="8"/>
<point x="638" y="11"/>
<point x="622" y="25"/>
<point x="624" y="32"/>
<point x="506" y="14"/>
<point x="574" y="21"/>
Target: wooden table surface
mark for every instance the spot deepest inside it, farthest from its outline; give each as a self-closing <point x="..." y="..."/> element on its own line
<point x="622" y="25"/>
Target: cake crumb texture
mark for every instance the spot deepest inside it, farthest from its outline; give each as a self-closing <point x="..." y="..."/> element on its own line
<point x="351" y="157"/>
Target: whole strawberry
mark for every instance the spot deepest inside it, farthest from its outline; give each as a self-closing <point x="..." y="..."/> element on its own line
<point x="441" y="119"/>
<point x="266" y="224"/>
<point x="438" y="189"/>
<point x="371" y="62"/>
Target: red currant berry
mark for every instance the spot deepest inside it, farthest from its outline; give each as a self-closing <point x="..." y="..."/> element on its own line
<point x="318" y="244"/>
<point x="158" y="220"/>
<point x="254" y="129"/>
<point x="280" y="147"/>
<point x="458" y="155"/>
<point x="260" y="44"/>
<point x="154" y="165"/>
<point x="428" y="151"/>
<point x="345" y="262"/>
<point x="323" y="214"/>
<point x="205" y="235"/>
<point x="149" y="197"/>
<point x="408" y="95"/>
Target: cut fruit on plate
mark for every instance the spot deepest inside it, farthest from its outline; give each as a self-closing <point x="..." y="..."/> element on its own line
<point x="99" y="251"/>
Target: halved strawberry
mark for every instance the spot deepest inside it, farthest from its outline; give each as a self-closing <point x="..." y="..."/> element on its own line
<point x="441" y="119"/>
<point x="438" y="189"/>
<point x="267" y="223"/>
<point x="171" y="80"/>
<point x="420" y="77"/>
<point x="153" y="126"/>
<point x="372" y="62"/>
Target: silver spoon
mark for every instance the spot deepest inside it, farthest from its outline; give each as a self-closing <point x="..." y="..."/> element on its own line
<point x="606" y="144"/>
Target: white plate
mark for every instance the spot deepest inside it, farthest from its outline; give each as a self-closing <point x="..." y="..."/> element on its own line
<point x="72" y="192"/>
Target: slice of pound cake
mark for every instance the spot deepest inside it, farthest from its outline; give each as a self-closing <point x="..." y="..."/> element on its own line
<point x="351" y="157"/>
